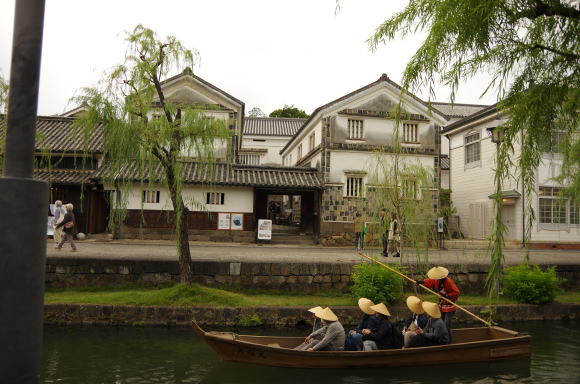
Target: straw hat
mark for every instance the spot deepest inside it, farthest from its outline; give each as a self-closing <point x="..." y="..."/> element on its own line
<point x="365" y="305"/>
<point x="438" y="273"/>
<point x="414" y="304"/>
<point x="315" y="310"/>
<point x="381" y="308"/>
<point x="327" y="314"/>
<point x="432" y="309"/>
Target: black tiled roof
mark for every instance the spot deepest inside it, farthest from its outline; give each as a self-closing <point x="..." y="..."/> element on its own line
<point x="57" y="134"/>
<point x="271" y="126"/>
<point x="458" y="109"/>
<point x="224" y="174"/>
<point x="64" y="176"/>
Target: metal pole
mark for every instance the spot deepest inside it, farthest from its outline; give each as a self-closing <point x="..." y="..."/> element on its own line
<point x="24" y="205"/>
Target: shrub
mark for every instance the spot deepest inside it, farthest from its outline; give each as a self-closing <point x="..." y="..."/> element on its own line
<point x="376" y="283"/>
<point x="529" y="284"/>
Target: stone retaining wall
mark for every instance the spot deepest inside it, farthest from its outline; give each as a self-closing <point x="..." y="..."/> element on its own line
<point x="211" y="317"/>
<point x="309" y="277"/>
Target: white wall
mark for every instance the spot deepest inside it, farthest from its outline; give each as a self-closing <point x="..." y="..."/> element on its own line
<point x="345" y="161"/>
<point x="273" y="145"/>
<point x="237" y="199"/>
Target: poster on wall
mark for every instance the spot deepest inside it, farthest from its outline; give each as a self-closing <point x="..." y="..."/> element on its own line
<point x="264" y="229"/>
<point x="237" y="222"/>
<point x="224" y="221"/>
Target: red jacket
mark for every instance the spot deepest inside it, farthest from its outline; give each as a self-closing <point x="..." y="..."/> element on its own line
<point x="448" y="289"/>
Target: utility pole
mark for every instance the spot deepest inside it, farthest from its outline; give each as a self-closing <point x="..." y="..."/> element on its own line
<point x="24" y="207"/>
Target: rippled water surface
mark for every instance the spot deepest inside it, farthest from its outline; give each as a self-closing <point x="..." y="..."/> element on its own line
<point x="152" y="355"/>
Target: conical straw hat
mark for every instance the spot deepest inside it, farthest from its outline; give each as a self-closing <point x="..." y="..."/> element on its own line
<point x="414" y="304"/>
<point x="381" y="308"/>
<point x="432" y="309"/>
<point x="365" y="305"/>
<point x="438" y="273"/>
<point x="327" y="314"/>
<point x="315" y="310"/>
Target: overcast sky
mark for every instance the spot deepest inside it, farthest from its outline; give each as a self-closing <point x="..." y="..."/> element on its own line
<point x="265" y="53"/>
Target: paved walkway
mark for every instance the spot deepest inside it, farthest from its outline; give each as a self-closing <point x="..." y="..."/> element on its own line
<point x="165" y="250"/>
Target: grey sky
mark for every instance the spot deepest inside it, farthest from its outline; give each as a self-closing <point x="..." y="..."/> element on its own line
<point x="265" y="53"/>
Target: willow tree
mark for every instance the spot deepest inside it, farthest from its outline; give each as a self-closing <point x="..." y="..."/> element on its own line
<point x="531" y="51"/>
<point x="3" y="94"/>
<point x="144" y="130"/>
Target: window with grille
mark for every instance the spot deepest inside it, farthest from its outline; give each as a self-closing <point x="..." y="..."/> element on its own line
<point x="299" y="152"/>
<point x="472" y="148"/>
<point x="151" y="196"/>
<point x="552" y="209"/>
<point x="410" y="134"/>
<point x="215" y="198"/>
<point x="355" y="129"/>
<point x="311" y="141"/>
<point x="354" y="186"/>
<point x="250" y="159"/>
<point x="574" y="214"/>
<point x="410" y="189"/>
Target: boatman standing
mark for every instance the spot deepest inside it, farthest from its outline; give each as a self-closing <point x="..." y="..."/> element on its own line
<point x="439" y="281"/>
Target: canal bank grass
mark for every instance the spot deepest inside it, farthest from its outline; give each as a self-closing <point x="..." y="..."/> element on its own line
<point x="196" y="295"/>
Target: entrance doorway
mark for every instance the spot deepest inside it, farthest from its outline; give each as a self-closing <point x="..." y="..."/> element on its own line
<point x="292" y="212"/>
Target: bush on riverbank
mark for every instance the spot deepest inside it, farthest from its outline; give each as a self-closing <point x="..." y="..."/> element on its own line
<point x="529" y="284"/>
<point x="377" y="283"/>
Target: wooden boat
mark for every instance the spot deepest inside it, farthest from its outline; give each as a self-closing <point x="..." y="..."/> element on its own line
<point x="469" y="345"/>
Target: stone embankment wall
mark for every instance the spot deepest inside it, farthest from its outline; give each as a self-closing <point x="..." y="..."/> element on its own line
<point x="211" y="317"/>
<point x="310" y="277"/>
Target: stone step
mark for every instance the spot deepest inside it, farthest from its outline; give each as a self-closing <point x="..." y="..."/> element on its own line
<point x="477" y="244"/>
<point x="284" y="238"/>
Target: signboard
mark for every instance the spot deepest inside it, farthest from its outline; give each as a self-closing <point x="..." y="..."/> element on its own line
<point x="440" y="224"/>
<point x="237" y="223"/>
<point x="223" y="221"/>
<point x="264" y="229"/>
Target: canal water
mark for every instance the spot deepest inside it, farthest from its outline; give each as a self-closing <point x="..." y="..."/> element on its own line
<point x="156" y="355"/>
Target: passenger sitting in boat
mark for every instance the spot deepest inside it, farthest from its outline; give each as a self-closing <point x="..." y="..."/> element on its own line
<point x="318" y="330"/>
<point x="435" y="332"/>
<point x="381" y="336"/>
<point x="354" y="339"/>
<point x="333" y="339"/>
<point x="418" y="319"/>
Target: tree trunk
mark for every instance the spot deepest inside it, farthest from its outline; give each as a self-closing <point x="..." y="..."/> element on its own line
<point x="185" y="265"/>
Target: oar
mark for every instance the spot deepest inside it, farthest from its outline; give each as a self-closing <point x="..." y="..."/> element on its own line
<point x="427" y="289"/>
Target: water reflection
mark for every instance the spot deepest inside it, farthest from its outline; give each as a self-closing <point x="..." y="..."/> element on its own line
<point x="153" y="355"/>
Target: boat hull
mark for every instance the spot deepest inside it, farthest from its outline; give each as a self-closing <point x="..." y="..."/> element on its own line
<point x="276" y="351"/>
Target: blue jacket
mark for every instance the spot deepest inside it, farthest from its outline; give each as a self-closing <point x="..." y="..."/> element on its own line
<point x="367" y="322"/>
<point x="422" y="320"/>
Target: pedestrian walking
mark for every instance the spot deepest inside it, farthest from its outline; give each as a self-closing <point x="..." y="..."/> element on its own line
<point x="59" y="213"/>
<point x="384" y="231"/>
<point x="394" y="248"/>
<point x="68" y="224"/>
<point x="359" y="231"/>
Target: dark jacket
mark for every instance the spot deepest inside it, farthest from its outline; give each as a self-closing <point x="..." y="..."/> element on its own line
<point x="68" y="217"/>
<point x="382" y="334"/>
<point x="436" y="332"/>
<point x="367" y="322"/>
<point x="422" y="320"/>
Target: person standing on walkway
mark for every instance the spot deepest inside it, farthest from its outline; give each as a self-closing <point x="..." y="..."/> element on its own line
<point x="359" y="228"/>
<point x="439" y="281"/>
<point x="69" y="228"/>
<point x="58" y="218"/>
<point x="394" y="237"/>
<point x="384" y="228"/>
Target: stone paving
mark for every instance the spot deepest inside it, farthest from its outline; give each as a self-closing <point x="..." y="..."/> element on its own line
<point x="241" y="252"/>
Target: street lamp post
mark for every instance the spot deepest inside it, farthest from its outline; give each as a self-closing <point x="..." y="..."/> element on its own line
<point x="24" y="208"/>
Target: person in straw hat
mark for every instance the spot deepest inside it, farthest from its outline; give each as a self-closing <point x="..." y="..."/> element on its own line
<point x="439" y="281"/>
<point x="383" y="335"/>
<point x="354" y="339"/>
<point x="418" y="319"/>
<point x="435" y="332"/>
<point x="314" y="336"/>
<point x="333" y="339"/>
